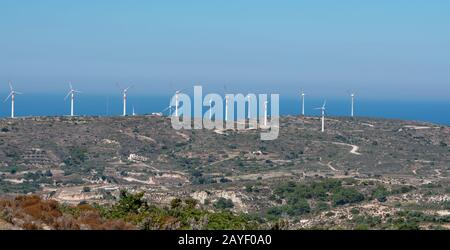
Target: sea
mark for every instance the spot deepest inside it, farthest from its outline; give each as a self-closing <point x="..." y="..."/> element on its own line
<point x="437" y="112"/>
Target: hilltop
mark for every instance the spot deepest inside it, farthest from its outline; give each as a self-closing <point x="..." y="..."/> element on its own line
<point x="358" y="168"/>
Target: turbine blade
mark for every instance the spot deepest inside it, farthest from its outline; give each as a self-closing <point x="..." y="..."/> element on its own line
<point x="65" y="98"/>
<point x="70" y="86"/>
<point x="10" y="86"/>
<point x="6" y="99"/>
<point x="166" y="109"/>
<point x="129" y="87"/>
<point x="19" y="93"/>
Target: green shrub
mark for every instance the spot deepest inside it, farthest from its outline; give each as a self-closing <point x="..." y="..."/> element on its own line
<point x="347" y="195"/>
<point x="223" y="203"/>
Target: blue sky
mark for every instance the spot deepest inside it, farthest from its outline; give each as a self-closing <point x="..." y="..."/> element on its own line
<point x="379" y="48"/>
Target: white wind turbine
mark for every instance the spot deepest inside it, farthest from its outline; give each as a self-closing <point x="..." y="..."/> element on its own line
<point x="168" y="108"/>
<point x="352" y="95"/>
<point x="265" y="114"/>
<point x="72" y="97"/>
<point x="226" y="108"/>
<point x="226" y="102"/>
<point x="249" y="108"/>
<point x="322" y="109"/>
<point x="12" y="94"/>
<point x="125" y="92"/>
<point x="303" y="102"/>
<point x="249" y="112"/>
<point x="210" y="109"/>
<point x="177" y="93"/>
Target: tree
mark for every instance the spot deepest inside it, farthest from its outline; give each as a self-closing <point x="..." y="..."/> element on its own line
<point x="129" y="204"/>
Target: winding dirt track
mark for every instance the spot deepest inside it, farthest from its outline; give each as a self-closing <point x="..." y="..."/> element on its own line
<point x="354" y="149"/>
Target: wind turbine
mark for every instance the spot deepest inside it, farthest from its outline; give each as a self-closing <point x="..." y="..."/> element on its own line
<point x="352" y="95"/>
<point x="210" y="109"/>
<point x="12" y="94"/>
<point x="226" y="108"/>
<point x="265" y="114"/>
<point x="125" y="92"/>
<point x="72" y="95"/>
<point x="177" y="93"/>
<point x="323" y="114"/>
<point x="249" y="108"/>
<point x="176" y="102"/>
<point x="226" y="101"/>
<point x="134" y="114"/>
<point x="303" y="102"/>
<point x="249" y="112"/>
<point x="169" y="108"/>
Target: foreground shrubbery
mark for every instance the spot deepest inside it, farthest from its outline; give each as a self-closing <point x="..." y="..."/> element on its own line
<point x="182" y="214"/>
<point x="130" y="212"/>
<point x="31" y="212"/>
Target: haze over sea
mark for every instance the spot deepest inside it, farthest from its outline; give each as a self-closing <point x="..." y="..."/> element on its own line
<point x="54" y="105"/>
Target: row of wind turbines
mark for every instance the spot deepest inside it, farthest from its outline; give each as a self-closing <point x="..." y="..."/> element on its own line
<point x="302" y="94"/>
<point x="323" y="108"/>
<point x="178" y="92"/>
<point x="71" y="93"/>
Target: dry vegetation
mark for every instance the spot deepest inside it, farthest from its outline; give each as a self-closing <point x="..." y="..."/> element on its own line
<point x="32" y="212"/>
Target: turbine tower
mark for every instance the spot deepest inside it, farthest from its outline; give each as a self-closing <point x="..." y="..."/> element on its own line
<point x="265" y="114"/>
<point x="177" y="93"/>
<point x="352" y="95"/>
<point x="226" y="108"/>
<point x="322" y="109"/>
<point x="176" y="102"/>
<point x="125" y="92"/>
<point x="72" y="95"/>
<point x="12" y="94"/>
<point x="249" y="108"/>
<point x="210" y="109"/>
<point x="303" y="102"/>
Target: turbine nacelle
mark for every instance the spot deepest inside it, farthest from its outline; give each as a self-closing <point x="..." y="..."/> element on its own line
<point x="125" y="91"/>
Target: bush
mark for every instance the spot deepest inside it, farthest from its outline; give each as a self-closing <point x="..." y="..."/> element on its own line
<point x="347" y="195"/>
<point x="298" y="208"/>
<point x="176" y="203"/>
<point x="380" y="193"/>
<point x="128" y="204"/>
<point x="223" y="203"/>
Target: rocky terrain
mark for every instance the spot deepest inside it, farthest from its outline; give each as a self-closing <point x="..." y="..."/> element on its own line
<point x="384" y="169"/>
